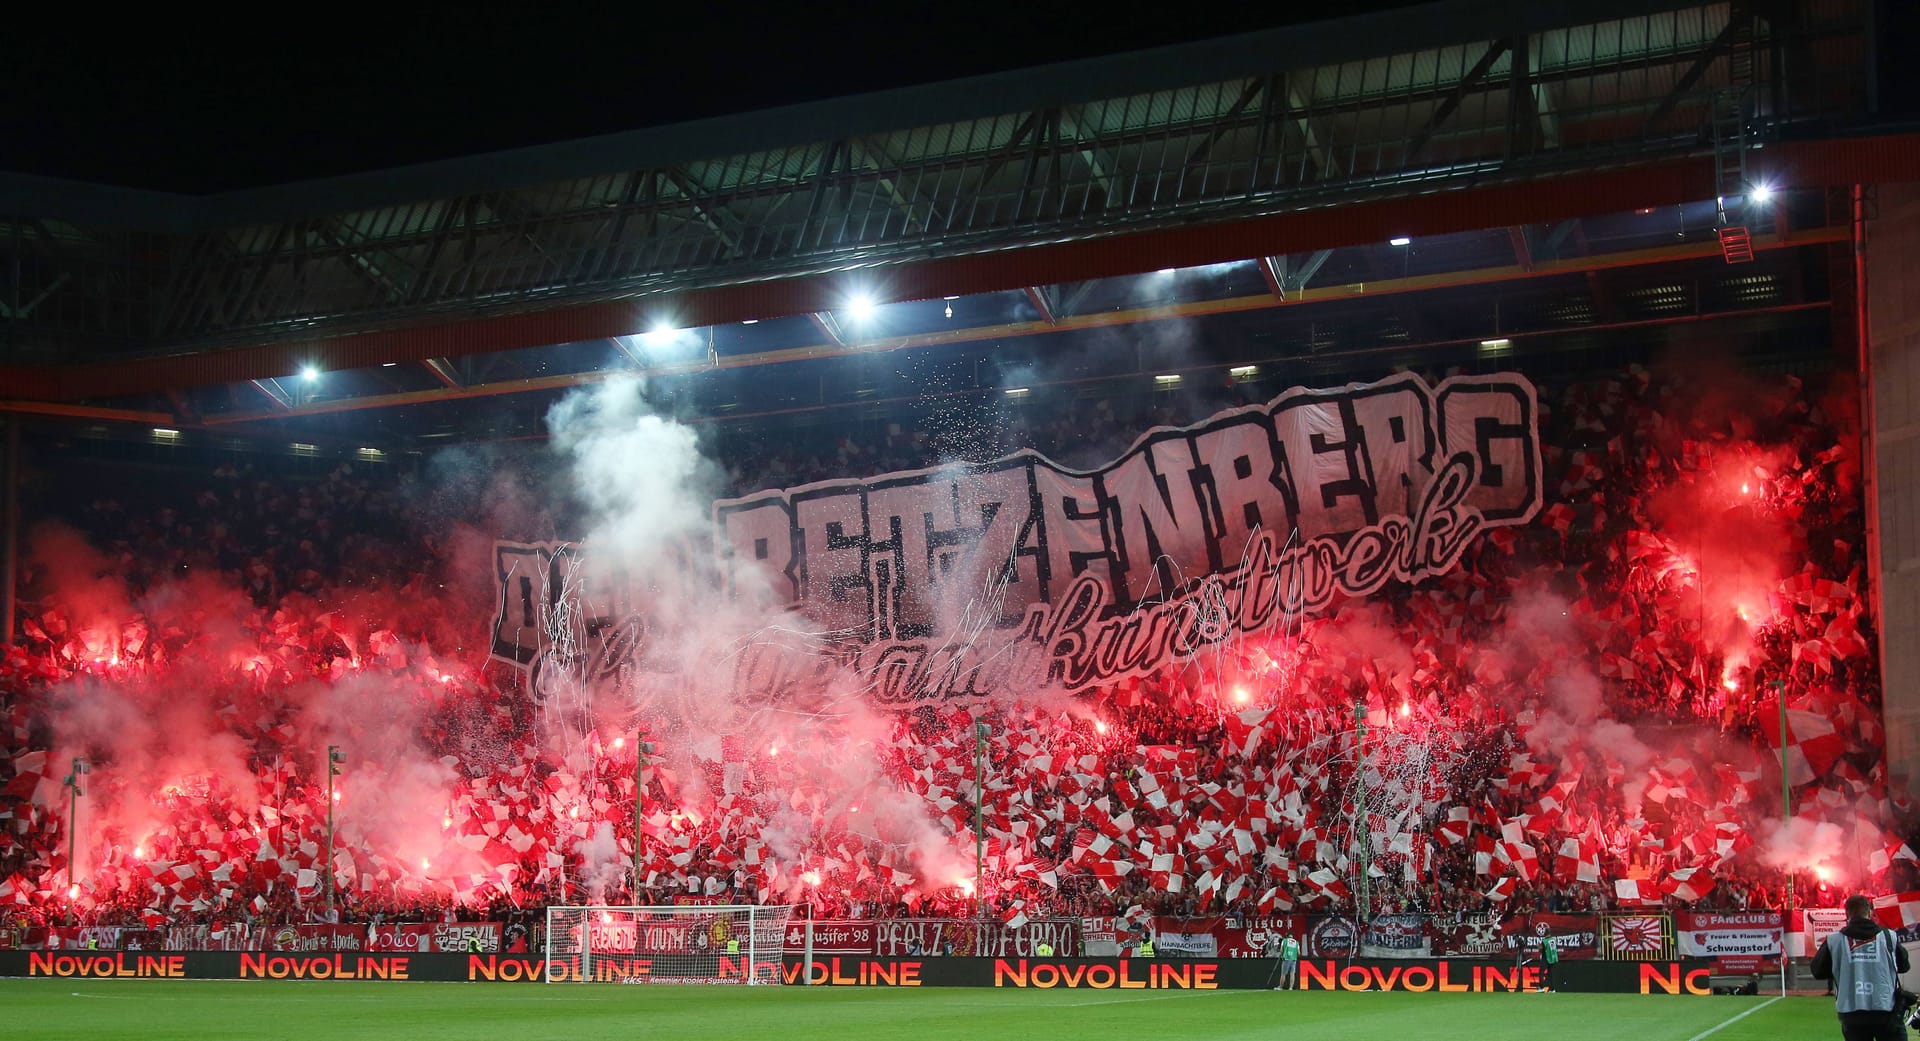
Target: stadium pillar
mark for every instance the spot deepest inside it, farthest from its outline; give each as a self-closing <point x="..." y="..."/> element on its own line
<point x="74" y="793"/>
<point x="9" y="528"/>
<point x="333" y="770"/>
<point x="642" y="749"/>
<point x="1360" y="808"/>
<point x="980" y="732"/>
<point x="1786" y="819"/>
<point x="1886" y="243"/>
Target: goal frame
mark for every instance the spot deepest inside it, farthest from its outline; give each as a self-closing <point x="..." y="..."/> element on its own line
<point x="764" y="926"/>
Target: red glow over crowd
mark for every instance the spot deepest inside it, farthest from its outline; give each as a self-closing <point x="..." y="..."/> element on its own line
<point x="1585" y="714"/>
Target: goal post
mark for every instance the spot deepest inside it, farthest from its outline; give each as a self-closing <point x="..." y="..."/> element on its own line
<point x="662" y="943"/>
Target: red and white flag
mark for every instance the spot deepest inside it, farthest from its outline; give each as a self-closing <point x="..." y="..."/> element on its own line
<point x="1633" y="892"/>
<point x="1811" y="742"/>
<point x="1688" y="884"/>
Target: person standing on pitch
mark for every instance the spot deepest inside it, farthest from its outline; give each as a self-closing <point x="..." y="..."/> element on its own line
<point x="1550" y="958"/>
<point x="1289" y="964"/>
<point x="1864" y="960"/>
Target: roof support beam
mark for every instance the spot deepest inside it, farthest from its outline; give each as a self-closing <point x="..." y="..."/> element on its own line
<point x="443" y="371"/>
<point x="1522" y="249"/>
<point x="26" y="310"/>
<point x="1284" y="280"/>
<point x="1543" y="100"/>
<point x="1319" y="152"/>
<point x="271" y="388"/>
<point x="1069" y="303"/>
<point x="359" y="260"/>
<point x="1691" y="78"/>
<point x="452" y="211"/>
<point x="703" y="211"/>
<point x="1520" y="117"/>
<point x="1037" y="295"/>
<point x="1451" y="102"/>
<point x="1200" y="152"/>
<point x="637" y="182"/>
<point x="1273" y="270"/>
<point x="828" y="326"/>
<point x="1075" y="136"/>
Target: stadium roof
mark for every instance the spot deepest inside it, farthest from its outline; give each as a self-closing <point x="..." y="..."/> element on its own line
<point x="1267" y="165"/>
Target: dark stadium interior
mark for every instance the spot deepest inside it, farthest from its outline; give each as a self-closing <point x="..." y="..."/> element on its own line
<point x="272" y="442"/>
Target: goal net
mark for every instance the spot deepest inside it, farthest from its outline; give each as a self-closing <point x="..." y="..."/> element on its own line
<point x="666" y="944"/>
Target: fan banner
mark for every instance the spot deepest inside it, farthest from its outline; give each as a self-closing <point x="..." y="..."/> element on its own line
<point x="442" y="937"/>
<point x="831" y="936"/>
<point x="318" y="938"/>
<point x="1711" y="934"/>
<point x="1816" y="924"/>
<point x="1256" y="936"/>
<point x="1397" y="936"/>
<point x="1636" y="937"/>
<point x="80" y="938"/>
<point x="1100" y="936"/>
<point x="1186" y="945"/>
<point x="1470" y="936"/>
<point x="933" y="937"/>
<point x="1020" y="575"/>
<point x="1575" y="936"/>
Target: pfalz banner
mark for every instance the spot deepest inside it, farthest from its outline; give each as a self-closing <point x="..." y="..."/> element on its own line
<point x="934" y="937"/>
<point x="1020" y="575"/>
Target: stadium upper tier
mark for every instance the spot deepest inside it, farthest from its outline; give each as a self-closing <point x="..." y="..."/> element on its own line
<point x="1021" y="181"/>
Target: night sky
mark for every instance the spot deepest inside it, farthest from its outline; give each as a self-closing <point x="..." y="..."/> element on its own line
<point x="302" y="92"/>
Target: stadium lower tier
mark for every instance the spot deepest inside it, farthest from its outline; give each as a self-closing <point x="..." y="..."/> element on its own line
<point x="1448" y="975"/>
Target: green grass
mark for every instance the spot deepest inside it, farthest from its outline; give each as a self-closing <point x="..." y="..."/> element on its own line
<point x="156" y="1010"/>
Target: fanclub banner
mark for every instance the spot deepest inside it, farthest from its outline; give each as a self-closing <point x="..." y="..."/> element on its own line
<point x="1709" y="934"/>
<point x="1018" y="575"/>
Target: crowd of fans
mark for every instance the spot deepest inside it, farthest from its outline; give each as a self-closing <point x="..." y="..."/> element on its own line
<point x="1581" y="703"/>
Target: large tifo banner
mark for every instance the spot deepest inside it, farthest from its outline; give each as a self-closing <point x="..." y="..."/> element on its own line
<point x="1020" y="575"/>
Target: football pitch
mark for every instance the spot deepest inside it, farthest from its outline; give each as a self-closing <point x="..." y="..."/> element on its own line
<point x="154" y="1010"/>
